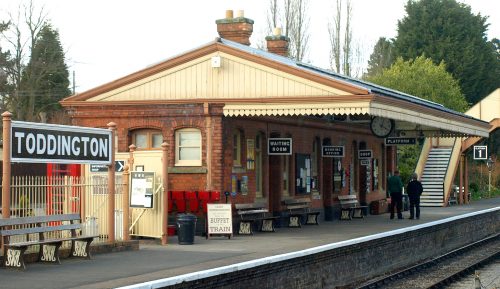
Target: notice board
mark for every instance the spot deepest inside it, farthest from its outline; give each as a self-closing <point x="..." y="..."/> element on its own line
<point x="142" y="189"/>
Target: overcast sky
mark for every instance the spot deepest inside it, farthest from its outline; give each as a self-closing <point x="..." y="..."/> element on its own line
<point x="108" y="39"/>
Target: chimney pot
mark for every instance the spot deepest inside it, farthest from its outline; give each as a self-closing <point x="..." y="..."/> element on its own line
<point x="240" y="13"/>
<point x="277" y="31"/>
<point x="229" y="14"/>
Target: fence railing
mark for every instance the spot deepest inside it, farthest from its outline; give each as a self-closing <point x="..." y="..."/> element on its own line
<point x="88" y="196"/>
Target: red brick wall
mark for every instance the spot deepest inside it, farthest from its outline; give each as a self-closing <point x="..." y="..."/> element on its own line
<point x="169" y="118"/>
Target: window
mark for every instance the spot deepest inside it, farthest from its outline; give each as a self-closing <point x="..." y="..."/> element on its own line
<point x="147" y="139"/>
<point x="188" y="147"/>
<point x="237" y="148"/>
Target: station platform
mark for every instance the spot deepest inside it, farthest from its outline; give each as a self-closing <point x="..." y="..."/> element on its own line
<point x="153" y="261"/>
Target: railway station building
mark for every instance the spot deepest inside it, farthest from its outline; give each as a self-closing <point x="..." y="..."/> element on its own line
<point x="261" y="126"/>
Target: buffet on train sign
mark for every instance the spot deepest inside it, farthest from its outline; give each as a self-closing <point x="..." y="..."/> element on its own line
<point x="48" y="143"/>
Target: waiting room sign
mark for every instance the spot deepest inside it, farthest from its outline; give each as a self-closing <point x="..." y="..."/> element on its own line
<point x="279" y="146"/>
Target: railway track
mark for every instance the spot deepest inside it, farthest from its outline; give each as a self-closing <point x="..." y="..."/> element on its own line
<point x="441" y="271"/>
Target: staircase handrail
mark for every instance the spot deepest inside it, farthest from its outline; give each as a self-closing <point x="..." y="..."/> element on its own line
<point x="424" y="154"/>
<point x="453" y="164"/>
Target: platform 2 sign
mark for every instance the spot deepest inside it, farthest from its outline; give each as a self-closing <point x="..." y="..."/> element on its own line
<point x="279" y="146"/>
<point x="63" y="144"/>
<point x="219" y="220"/>
<point x="480" y="152"/>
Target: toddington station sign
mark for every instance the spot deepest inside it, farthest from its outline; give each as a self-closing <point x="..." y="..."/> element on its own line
<point x="42" y="143"/>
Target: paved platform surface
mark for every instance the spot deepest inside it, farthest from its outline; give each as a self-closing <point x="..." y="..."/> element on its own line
<point x="153" y="261"/>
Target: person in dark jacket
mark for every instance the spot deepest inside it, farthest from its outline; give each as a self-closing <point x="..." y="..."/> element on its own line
<point x="395" y="188"/>
<point x="414" y="189"/>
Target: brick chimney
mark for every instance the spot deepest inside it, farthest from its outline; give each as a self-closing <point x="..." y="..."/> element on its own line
<point x="237" y="29"/>
<point x="277" y="43"/>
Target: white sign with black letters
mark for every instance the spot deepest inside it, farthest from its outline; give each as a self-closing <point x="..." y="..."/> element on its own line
<point x="219" y="219"/>
<point x="480" y="152"/>
<point x="63" y="144"/>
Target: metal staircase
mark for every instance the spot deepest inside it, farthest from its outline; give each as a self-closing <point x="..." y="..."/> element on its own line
<point x="433" y="177"/>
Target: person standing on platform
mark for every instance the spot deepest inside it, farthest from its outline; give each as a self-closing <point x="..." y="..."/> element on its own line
<point x="395" y="188"/>
<point x="414" y="189"/>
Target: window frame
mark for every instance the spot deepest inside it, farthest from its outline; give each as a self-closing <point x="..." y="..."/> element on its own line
<point x="149" y="132"/>
<point x="187" y="163"/>
<point x="236" y="147"/>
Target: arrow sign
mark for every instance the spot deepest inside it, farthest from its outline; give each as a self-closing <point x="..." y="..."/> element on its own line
<point x="97" y="168"/>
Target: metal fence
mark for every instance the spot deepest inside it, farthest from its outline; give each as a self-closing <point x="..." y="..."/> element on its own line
<point x="88" y="196"/>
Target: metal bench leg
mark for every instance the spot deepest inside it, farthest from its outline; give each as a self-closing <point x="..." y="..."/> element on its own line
<point x="245" y="228"/>
<point x="312" y="219"/>
<point x="50" y="253"/>
<point x="357" y="213"/>
<point x="345" y="214"/>
<point x="294" y="221"/>
<point x="81" y="248"/>
<point x="267" y="225"/>
<point x="14" y="258"/>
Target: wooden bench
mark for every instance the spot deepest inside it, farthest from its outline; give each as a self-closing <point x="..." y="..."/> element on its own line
<point x="350" y="207"/>
<point x="298" y="208"/>
<point x="47" y="231"/>
<point x="254" y="212"/>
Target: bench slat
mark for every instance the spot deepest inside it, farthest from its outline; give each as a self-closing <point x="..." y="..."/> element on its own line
<point x="48" y="241"/>
<point x="248" y="212"/>
<point x="34" y="230"/>
<point x="38" y="219"/>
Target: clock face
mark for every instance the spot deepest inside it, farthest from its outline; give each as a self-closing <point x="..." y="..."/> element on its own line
<point x="381" y="127"/>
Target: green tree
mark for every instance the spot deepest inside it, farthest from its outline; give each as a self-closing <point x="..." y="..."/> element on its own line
<point x="5" y="67"/>
<point x="449" y="31"/>
<point x="422" y="78"/>
<point x="382" y="57"/>
<point x="45" y="80"/>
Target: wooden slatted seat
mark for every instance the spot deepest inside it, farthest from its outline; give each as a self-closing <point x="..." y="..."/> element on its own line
<point x="47" y="231"/>
<point x="254" y="212"/>
<point x="350" y="207"/>
<point x="298" y="208"/>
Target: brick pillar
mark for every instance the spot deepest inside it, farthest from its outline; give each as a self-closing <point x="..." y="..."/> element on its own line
<point x="237" y="29"/>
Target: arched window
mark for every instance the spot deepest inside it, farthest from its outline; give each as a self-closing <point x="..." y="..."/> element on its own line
<point x="147" y="139"/>
<point x="188" y="147"/>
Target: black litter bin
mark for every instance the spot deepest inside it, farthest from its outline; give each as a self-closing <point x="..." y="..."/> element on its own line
<point x="186" y="228"/>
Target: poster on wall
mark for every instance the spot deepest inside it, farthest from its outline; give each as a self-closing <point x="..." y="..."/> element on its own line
<point x="303" y="173"/>
<point x="219" y="220"/>
<point x="142" y="189"/>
